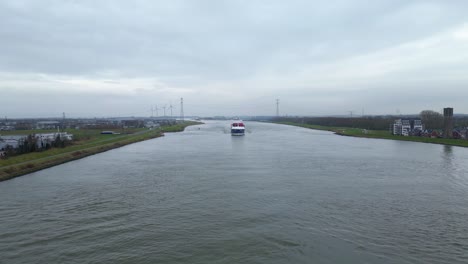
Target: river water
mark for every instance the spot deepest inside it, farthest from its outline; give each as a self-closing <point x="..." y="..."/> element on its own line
<point x="280" y="194"/>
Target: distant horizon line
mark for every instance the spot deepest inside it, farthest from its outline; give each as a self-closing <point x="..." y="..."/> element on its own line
<point x="212" y="116"/>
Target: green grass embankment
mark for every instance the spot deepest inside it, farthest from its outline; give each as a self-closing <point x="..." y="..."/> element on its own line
<point x="380" y="134"/>
<point x="91" y="142"/>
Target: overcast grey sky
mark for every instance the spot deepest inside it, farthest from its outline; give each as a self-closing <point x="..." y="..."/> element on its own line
<point x="119" y="58"/>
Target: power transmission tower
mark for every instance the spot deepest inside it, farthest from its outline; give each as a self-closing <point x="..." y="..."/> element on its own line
<point x="182" y="108"/>
<point x="277" y="107"/>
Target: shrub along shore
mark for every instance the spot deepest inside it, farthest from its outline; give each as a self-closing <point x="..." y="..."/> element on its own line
<point x="94" y="143"/>
<point x="380" y="134"/>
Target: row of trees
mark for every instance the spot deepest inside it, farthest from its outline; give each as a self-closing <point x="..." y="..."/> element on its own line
<point x="373" y="123"/>
<point x="430" y="119"/>
<point x="435" y="120"/>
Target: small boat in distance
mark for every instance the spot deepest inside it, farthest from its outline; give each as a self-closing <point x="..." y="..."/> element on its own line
<point x="237" y="128"/>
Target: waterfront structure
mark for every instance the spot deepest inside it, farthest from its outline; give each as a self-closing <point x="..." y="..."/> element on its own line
<point x="396" y="128"/>
<point x="448" y="122"/>
<point x="42" y="140"/>
<point x="10" y="140"/>
<point x="417" y="124"/>
<point x="406" y="127"/>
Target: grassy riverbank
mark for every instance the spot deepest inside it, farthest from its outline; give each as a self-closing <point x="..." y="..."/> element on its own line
<point x="381" y="134"/>
<point x="89" y="142"/>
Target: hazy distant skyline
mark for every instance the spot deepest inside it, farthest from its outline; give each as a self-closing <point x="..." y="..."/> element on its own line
<point x="120" y="58"/>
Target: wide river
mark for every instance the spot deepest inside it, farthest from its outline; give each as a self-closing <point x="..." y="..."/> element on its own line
<point x="280" y="194"/>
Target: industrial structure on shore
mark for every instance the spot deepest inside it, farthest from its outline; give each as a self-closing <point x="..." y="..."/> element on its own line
<point x="448" y="122"/>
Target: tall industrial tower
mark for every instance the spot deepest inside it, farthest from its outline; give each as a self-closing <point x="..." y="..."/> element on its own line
<point x="182" y="108"/>
<point x="448" y="122"/>
<point x="277" y="107"/>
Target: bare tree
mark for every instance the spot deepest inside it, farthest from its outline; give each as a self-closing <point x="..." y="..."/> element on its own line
<point x="432" y="119"/>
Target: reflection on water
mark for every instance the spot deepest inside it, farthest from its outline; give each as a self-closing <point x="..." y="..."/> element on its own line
<point x="237" y="141"/>
<point x="448" y="150"/>
<point x="454" y="171"/>
<point x="447" y="156"/>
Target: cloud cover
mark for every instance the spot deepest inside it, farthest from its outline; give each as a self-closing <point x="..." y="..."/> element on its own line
<point x="111" y="58"/>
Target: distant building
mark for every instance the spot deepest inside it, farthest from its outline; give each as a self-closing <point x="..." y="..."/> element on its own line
<point x="42" y="139"/>
<point x="53" y="136"/>
<point x="406" y="127"/>
<point x="448" y="122"/>
<point x="10" y="140"/>
<point x="47" y="125"/>
<point x="456" y="134"/>
<point x="396" y="128"/>
<point x="24" y="125"/>
<point x="6" y="128"/>
<point x="434" y="134"/>
<point x="152" y="124"/>
<point x="417" y="124"/>
<point x="133" y="123"/>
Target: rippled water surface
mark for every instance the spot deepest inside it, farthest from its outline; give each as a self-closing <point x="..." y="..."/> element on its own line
<point x="279" y="194"/>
